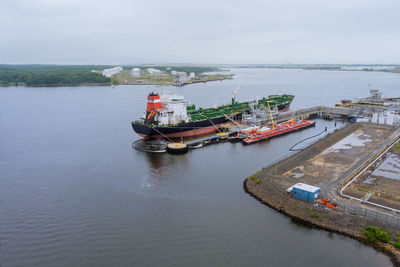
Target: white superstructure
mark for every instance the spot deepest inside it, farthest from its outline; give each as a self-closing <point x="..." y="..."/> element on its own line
<point x="173" y="109"/>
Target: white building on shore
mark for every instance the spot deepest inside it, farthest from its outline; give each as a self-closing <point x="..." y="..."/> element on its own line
<point x="182" y="77"/>
<point x="154" y="72"/>
<point x="179" y="73"/>
<point x="135" y="72"/>
<point x="110" y="72"/>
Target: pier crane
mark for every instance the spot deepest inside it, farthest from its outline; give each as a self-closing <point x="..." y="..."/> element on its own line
<point x="270" y="113"/>
<point x="234" y="95"/>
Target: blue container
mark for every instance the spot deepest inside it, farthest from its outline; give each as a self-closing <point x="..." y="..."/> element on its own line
<point x="305" y="192"/>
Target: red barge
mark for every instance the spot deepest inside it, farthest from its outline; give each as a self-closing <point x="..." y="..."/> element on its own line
<point x="253" y="135"/>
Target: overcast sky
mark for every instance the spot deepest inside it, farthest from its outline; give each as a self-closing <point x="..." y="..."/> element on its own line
<point x="203" y="31"/>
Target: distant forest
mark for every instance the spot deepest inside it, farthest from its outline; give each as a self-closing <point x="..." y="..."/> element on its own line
<point x="59" y="75"/>
<point x="51" y="75"/>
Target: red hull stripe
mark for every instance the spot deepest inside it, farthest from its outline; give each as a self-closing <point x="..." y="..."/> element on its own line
<point x="190" y="133"/>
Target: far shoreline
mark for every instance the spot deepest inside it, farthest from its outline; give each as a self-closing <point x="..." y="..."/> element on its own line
<point x="110" y="84"/>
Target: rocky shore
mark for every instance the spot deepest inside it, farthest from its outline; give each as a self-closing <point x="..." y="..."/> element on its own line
<point x="317" y="215"/>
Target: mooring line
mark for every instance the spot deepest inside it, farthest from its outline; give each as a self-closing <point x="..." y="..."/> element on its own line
<point x="214" y="126"/>
<point x="162" y="134"/>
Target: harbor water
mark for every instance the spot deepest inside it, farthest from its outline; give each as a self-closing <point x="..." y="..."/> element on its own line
<point x="73" y="192"/>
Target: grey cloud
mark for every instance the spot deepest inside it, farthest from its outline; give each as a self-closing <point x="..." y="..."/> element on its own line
<point x="123" y="31"/>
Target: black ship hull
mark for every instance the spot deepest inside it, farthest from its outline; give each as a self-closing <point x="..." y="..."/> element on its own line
<point x="188" y="129"/>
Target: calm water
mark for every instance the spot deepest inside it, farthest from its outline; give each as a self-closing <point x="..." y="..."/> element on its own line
<point x="74" y="193"/>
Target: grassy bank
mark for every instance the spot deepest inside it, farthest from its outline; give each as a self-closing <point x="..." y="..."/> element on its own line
<point x="166" y="78"/>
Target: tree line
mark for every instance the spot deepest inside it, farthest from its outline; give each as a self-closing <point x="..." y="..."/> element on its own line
<point x="58" y="75"/>
<point x="35" y="75"/>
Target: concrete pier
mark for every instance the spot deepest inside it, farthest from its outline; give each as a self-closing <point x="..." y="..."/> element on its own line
<point x="315" y="111"/>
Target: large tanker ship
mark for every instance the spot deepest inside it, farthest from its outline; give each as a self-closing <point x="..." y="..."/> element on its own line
<point x="172" y="116"/>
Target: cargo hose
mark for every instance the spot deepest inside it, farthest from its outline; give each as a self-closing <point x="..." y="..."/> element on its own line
<point x="299" y="149"/>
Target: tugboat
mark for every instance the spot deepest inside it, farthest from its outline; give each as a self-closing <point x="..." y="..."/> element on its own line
<point x="171" y="116"/>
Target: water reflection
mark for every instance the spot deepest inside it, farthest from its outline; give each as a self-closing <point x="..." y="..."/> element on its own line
<point x="164" y="168"/>
<point x="155" y="161"/>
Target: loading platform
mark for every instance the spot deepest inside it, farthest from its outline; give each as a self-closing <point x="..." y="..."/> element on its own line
<point x="312" y="112"/>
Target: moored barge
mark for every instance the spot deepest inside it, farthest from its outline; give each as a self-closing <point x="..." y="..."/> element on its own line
<point x="256" y="134"/>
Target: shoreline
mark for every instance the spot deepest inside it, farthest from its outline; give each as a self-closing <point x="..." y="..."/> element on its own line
<point x="269" y="186"/>
<point x="173" y="83"/>
<point x="387" y="249"/>
<point x="348" y="225"/>
<point x="109" y="84"/>
<point x="57" y="85"/>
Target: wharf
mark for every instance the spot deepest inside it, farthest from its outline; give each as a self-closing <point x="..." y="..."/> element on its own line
<point x="234" y="127"/>
<point x="310" y="112"/>
<point x="328" y="164"/>
<point x="212" y="139"/>
<point x="315" y="111"/>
